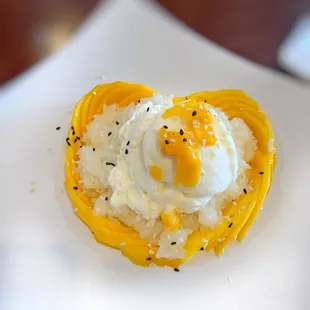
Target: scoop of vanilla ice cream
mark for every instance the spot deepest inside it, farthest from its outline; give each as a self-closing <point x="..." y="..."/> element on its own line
<point x="131" y="181"/>
<point x="219" y="162"/>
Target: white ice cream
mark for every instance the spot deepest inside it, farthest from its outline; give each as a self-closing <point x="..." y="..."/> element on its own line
<point x="131" y="182"/>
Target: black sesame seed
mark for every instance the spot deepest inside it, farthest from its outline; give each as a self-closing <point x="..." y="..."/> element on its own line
<point x="148" y="109"/>
<point x="176" y="269"/>
<point x="194" y="113"/>
<point x="73" y="132"/>
<point x="261" y="172"/>
<point x="184" y="139"/>
<point x="75" y="188"/>
<point x="106" y="198"/>
<point x="67" y="139"/>
<point x="128" y="143"/>
<point x="166" y="141"/>
<point x="231" y="224"/>
<point x="109" y="134"/>
<point x="94" y="149"/>
<point x="68" y="143"/>
<point x="78" y="138"/>
<point x="57" y="128"/>
<point x="149" y="258"/>
<point x="139" y="100"/>
<point x="181" y="132"/>
<point x="166" y="127"/>
<point x="75" y="140"/>
<point x="173" y="243"/>
<point x="72" y="127"/>
<point x="126" y="151"/>
<point x="202" y="248"/>
<point x="186" y="98"/>
<point x="117" y="123"/>
<point x="110" y="164"/>
<point x="81" y="146"/>
<point x="205" y="100"/>
<point x="245" y="191"/>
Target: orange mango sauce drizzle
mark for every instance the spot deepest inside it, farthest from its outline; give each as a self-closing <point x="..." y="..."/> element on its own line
<point x="156" y="172"/>
<point x="171" y="220"/>
<point x="184" y="145"/>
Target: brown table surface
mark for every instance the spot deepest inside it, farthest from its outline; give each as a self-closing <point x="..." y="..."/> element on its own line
<point x="33" y="29"/>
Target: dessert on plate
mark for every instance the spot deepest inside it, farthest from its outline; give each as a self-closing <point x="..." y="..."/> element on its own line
<point x="161" y="177"/>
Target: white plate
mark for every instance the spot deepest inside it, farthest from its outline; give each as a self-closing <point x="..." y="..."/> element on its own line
<point x="49" y="259"/>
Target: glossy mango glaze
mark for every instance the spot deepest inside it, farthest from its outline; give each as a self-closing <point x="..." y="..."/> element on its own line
<point x="156" y="173"/>
<point x="242" y="212"/>
<point x="197" y="132"/>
